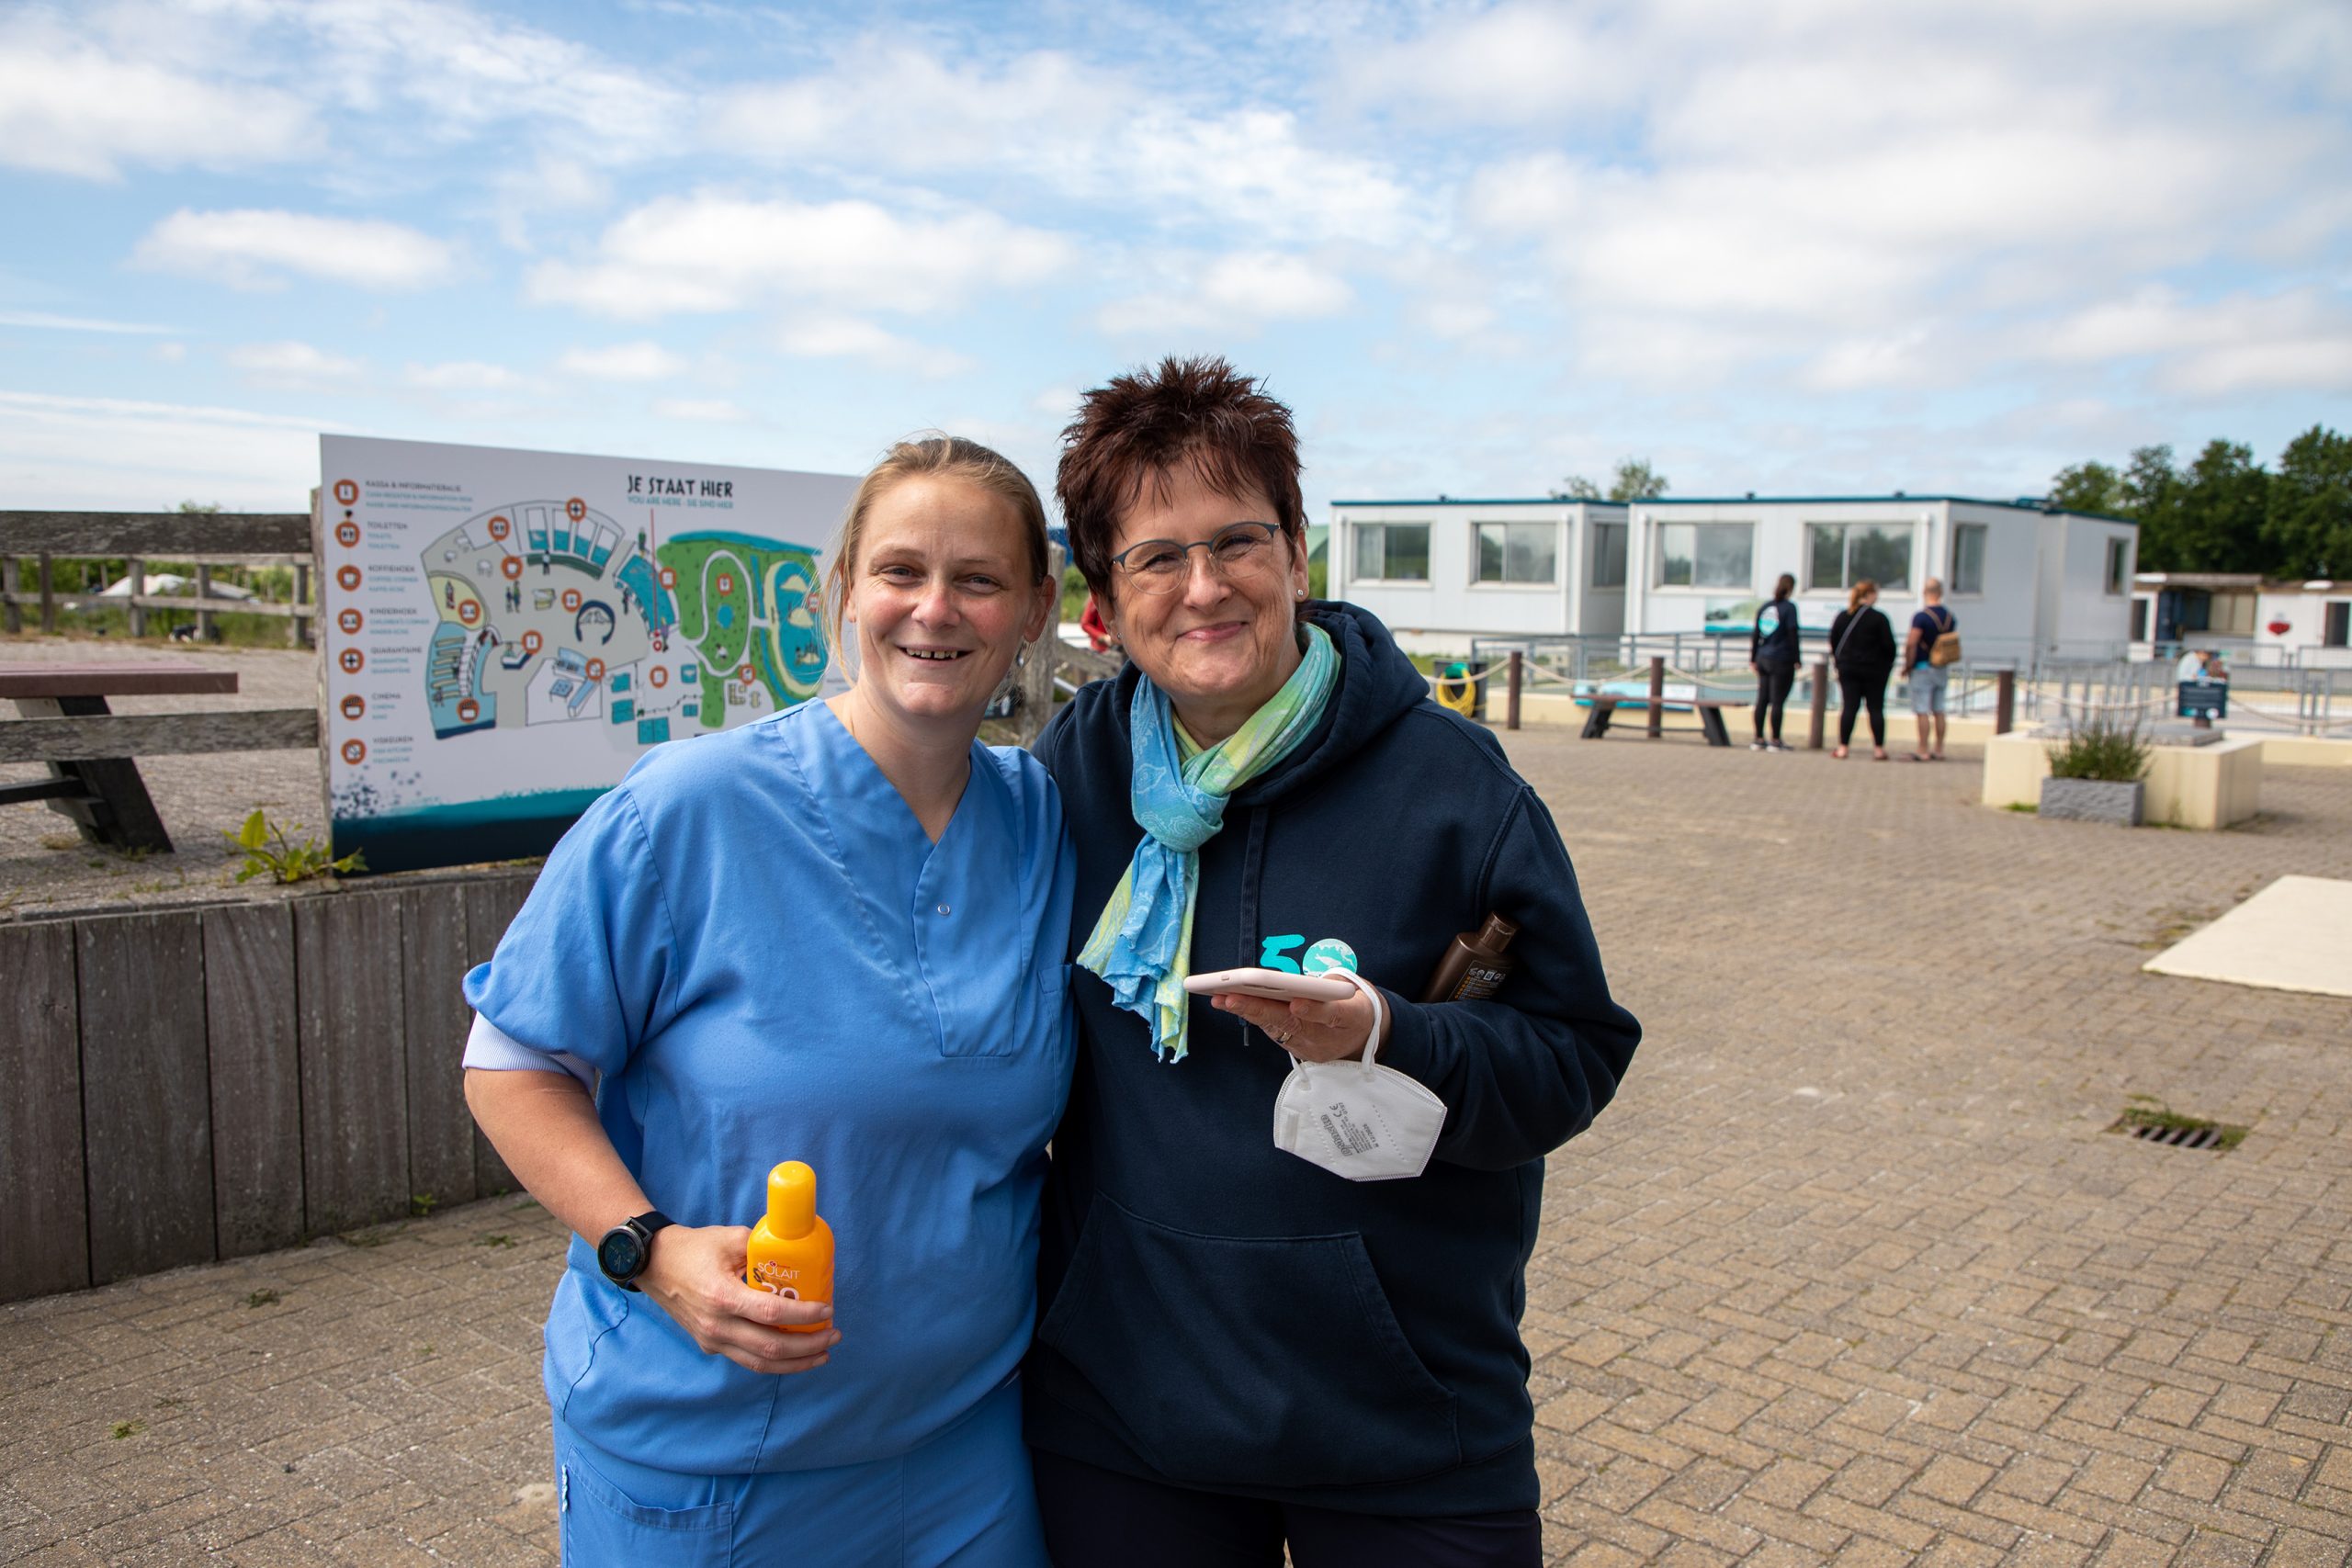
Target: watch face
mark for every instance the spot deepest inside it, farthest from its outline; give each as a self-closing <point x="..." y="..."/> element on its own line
<point x="620" y="1255"/>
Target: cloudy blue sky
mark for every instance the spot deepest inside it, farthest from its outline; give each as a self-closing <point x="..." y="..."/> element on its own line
<point x="1782" y="245"/>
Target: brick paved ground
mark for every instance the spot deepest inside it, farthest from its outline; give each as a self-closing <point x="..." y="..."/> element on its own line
<point x="1850" y="1272"/>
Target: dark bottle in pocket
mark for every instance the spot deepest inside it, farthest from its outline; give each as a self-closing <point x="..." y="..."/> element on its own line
<point x="1475" y="964"/>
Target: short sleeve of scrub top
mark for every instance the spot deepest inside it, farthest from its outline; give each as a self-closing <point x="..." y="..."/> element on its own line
<point x="764" y="957"/>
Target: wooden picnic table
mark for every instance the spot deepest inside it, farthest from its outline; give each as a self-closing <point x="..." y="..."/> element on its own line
<point x="105" y="796"/>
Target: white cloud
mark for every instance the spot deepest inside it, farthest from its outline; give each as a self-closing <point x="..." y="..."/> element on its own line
<point x="1081" y="132"/>
<point x="2295" y="341"/>
<point x="250" y="249"/>
<point x="44" y="320"/>
<point x="711" y="251"/>
<point x="110" y="453"/>
<point x="1518" y="63"/>
<point x="293" y="364"/>
<point x="702" y="411"/>
<point x="640" y="361"/>
<point x="68" y="106"/>
<point x="1241" y="291"/>
<point x="849" y="337"/>
<point x="462" y="376"/>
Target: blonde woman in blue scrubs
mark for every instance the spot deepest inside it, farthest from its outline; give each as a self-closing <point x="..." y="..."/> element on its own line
<point x="834" y="936"/>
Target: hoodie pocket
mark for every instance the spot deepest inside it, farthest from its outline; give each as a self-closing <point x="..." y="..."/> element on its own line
<point x="1261" y="1361"/>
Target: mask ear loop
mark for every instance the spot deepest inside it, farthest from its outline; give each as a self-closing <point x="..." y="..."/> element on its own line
<point x="1379" y="1009"/>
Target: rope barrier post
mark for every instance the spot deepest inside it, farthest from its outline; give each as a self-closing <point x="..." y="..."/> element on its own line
<point x="1510" y="709"/>
<point x="2005" y="701"/>
<point x="1819" y="721"/>
<point x="10" y="615"/>
<point x="1657" y="696"/>
<point x="48" y="598"/>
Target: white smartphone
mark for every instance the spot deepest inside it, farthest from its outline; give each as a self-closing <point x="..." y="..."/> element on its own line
<point x="1274" y="985"/>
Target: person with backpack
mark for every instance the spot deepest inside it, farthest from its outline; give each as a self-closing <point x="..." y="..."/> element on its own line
<point x="1932" y="645"/>
<point x="1772" y="654"/>
<point x="1862" y="645"/>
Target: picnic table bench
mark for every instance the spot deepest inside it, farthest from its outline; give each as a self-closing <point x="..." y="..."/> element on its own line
<point x="93" y="752"/>
<point x="1708" y="709"/>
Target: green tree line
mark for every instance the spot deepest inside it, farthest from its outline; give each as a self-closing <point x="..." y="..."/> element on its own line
<point x="2224" y="511"/>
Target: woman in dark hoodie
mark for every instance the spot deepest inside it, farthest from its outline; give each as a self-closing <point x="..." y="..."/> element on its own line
<point x="1772" y="654"/>
<point x="1862" y="645"/>
<point x="1238" y="1347"/>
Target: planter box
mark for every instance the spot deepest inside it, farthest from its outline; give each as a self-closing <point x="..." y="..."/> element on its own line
<point x="2095" y="800"/>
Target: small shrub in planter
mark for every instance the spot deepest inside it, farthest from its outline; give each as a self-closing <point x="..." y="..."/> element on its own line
<point x="2094" y="775"/>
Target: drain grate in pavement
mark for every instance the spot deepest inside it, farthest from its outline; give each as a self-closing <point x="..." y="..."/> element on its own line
<point x="2154" y="1123"/>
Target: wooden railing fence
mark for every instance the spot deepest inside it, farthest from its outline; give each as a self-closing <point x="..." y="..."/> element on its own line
<point x="204" y="1083"/>
<point x="204" y="540"/>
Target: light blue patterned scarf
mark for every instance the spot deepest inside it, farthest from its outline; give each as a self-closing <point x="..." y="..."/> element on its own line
<point x="1142" y="945"/>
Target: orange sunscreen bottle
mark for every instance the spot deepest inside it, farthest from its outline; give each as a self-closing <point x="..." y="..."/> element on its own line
<point x="791" y="1250"/>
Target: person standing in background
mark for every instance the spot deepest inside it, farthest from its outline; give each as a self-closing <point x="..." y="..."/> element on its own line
<point x="1862" y="645"/>
<point x="1928" y="680"/>
<point x="1772" y="655"/>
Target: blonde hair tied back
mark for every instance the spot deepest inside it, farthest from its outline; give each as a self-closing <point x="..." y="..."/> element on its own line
<point x="929" y="454"/>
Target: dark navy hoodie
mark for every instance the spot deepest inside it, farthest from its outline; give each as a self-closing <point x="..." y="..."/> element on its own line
<point x="1217" y="1313"/>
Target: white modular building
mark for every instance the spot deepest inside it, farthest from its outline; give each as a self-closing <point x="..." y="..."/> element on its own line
<point x="2247" y="620"/>
<point x="2023" y="579"/>
<point x="1440" y="572"/>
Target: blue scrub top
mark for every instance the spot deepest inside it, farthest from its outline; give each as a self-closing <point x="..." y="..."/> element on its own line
<point x="754" y="943"/>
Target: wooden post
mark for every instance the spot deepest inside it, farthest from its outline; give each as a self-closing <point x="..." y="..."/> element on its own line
<point x="1819" y="723"/>
<point x="203" y="593"/>
<point x="1657" y="696"/>
<point x="10" y="615"/>
<point x="48" y="598"/>
<point x="1518" y="668"/>
<point x="297" y="626"/>
<point x="2005" y="701"/>
<point x="138" y="587"/>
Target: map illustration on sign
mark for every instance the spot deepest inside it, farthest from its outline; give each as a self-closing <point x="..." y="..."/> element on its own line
<point x="553" y="613"/>
<point x="507" y="632"/>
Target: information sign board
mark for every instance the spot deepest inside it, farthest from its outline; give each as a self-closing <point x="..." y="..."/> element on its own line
<point x="506" y="632"/>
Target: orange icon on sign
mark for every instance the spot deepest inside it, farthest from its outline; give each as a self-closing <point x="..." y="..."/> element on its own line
<point x="349" y="620"/>
<point x="468" y="710"/>
<point x="355" y="751"/>
<point x="470" y="612"/>
<point x="669" y="577"/>
<point x="530" y="642"/>
<point x="575" y="508"/>
<point x="347" y="493"/>
<point x="726" y="583"/>
<point x="595" y="669"/>
<point x="744" y="674"/>
<point x="353" y="705"/>
<point x="572" y="598"/>
<point x="511" y="566"/>
<point x="659" y="676"/>
<point x="351" y="659"/>
<point x="347" y="579"/>
<point x="347" y="533"/>
<point x="500" y="528"/>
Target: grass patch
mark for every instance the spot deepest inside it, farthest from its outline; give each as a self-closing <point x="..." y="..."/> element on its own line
<point x="129" y="1428"/>
<point x="261" y="1297"/>
<point x="494" y="1239"/>
<point x="2027" y="806"/>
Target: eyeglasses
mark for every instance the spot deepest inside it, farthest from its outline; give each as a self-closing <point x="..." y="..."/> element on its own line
<point x="1235" y="551"/>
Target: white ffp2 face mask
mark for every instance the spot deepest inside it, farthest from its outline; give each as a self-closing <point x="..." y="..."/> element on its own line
<point x="1358" y="1120"/>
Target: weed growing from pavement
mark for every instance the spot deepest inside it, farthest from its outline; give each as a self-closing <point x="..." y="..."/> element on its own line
<point x="421" y="1204"/>
<point x="494" y="1239"/>
<point x="2146" y="1110"/>
<point x="261" y="1297"/>
<point x="129" y="1428"/>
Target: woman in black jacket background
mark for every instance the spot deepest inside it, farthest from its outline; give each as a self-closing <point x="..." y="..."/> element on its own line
<point x="1863" y="646"/>
<point x="1772" y="654"/>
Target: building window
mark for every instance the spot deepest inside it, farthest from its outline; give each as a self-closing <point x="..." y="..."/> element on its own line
<point x="1519" y="552"/>
<point x="2139" y="620"/>
<point x="2337" y="629"/>
<point x="1839" y="555"/>
<point x="1392" y="552"/>
<point x="1706" y="555"/>
<point x="1968" y="558"/>
<point x="2119" y="565"/>
<point x="1608" y="555"/>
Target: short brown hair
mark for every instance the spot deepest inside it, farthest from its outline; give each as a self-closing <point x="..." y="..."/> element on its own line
<point x="1133" y="430"/>
<point x="1862" y="587"/>
<point x="929" y="455"/>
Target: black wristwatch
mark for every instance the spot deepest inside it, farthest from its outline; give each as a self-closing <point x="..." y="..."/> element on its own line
<point x="627" y="1247"/>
